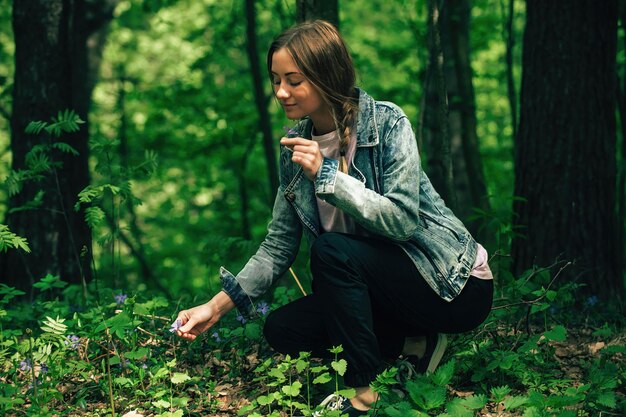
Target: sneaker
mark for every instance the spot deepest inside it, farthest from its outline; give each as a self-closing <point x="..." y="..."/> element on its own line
<point x="336" y="402"/>
<point x="435" y="347"/>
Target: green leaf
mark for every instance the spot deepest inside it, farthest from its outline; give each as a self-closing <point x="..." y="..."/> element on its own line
<point x="340" y="366"/>
<point x="474" y="402"/>
<point x="607" y="399"/>
<point x="515" y="401"/>
<point x="323" y="378"/>
<point x="558" y="334"/>
<point x="9" y="240"/>
<point x="66" y="148"/>
<point x="94" y="216"/>
<point x="292" y="390"/>
<point x="161" y="404"/>
<point x="264" y="400"/>
<point x="348" y="392"/>
<point x="54" y="326"/>
<point x="499" y="393"/>
<point x="49" y="282"/>
<point x="135" y="354"/>
<point x="443" y="374"/>
<point x="179" y="377"/>
<point x="252" y="331"/>
<point x="336" y="349"/>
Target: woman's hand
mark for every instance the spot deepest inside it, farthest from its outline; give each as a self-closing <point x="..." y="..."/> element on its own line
<point x="306" y="153"/>
<point x="199" y="319"/>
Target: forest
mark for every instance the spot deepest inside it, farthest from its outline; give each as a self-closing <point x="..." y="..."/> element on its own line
<point x="139" y="146"/>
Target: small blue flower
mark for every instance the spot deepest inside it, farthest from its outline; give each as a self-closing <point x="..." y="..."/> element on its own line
<point x="175" y="326"/>
<point x="44" y="368"/>
<point x="120" y="298"/>
<point x="241" y="319"/>
<point x="592" y="301"/>
<point x="263" y="308"/>
<point x="26" y="365"/>
<point x="72" y="341"/>
<point x="216" y="336"/>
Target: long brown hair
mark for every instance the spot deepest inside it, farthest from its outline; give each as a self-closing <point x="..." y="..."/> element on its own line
<point x="320" y="53"/>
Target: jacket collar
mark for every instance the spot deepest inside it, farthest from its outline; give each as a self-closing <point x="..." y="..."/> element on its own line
<point x="367" y="132"/>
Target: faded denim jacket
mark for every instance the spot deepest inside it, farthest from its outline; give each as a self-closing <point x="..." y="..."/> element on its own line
<point x="387" y="194"/>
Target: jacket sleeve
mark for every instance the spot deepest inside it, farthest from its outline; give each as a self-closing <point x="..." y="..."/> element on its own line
<point x="392" y="213"/>
<point x="271" y="260"/>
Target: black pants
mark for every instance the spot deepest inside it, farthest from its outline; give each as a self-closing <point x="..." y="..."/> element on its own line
<point x="367" y="297"/>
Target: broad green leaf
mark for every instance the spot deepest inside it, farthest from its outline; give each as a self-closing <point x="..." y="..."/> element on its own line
<point x="179" y="377"/>
<point x="323" y="378"/>
<point x="558" y="334"/>
<point x="292" y="390"/>
<point x="515" y="401"/>
<point x="340" y="366"/>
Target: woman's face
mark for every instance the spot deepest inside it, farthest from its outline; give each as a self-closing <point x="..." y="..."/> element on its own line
<point x="295" y="92"/>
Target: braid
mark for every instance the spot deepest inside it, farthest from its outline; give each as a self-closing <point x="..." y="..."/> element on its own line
<point x="344" y="125"/>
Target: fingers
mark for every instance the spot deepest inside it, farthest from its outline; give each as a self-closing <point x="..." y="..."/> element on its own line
<point x="188" y="324"/>
<point x="306" y="153"/>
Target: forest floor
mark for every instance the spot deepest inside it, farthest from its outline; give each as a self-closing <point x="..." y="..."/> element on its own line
<point x="571" y="357"/>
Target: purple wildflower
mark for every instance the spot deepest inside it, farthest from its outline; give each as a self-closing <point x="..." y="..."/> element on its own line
<point x="120" y="298"/>
<point x="44" y="368"/>
<point x="216" y="336"/>
<point x="26" y="365"/>
<point x="263" y="308"/>
<point x="72" y="341"/>
<point x="241" y="319"/>
<point x="175" y="326"/>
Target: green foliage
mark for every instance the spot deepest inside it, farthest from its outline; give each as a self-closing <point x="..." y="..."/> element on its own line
<point x="66" y="121"/>
<point x="9" y="240"/>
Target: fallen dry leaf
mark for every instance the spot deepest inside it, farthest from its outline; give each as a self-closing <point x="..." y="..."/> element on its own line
<point x="132" y="414"/>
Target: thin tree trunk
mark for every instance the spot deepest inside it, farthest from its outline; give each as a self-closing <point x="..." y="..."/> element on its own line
<point x="458" y="25"/>
<point x="509" y="38"/>
<point x="318" y="9"/>
<point x="265" y="125"/>
<point x="440" y="160"/>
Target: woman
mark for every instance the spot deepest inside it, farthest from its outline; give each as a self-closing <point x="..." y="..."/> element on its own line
<point x="393" y="268"/>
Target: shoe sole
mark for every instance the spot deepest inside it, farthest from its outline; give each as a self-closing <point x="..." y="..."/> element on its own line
<point x="440" y="348"/>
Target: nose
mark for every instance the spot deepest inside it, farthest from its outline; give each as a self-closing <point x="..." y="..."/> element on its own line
<point x="281" y="92"/>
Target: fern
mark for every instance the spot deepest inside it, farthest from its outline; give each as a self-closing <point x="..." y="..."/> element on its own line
<point x="35" y="128"/>
<point x="54" y="326"/>
<point x="94" y="216"/>
<point x="66" y="148"/>
<point x="9" y="240"/>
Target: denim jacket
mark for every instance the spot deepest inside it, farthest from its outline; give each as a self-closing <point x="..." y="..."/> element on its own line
<point x="387" y="194"/>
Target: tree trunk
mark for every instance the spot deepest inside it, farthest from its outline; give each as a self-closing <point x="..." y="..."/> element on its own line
<point x="437" y="135"/>
<point x="318" y="9"/>
<point x="258" y="80"/>
<point x="565" y="151"/>
<point x="509" y="38"/>
<point x="52" y="73"/>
